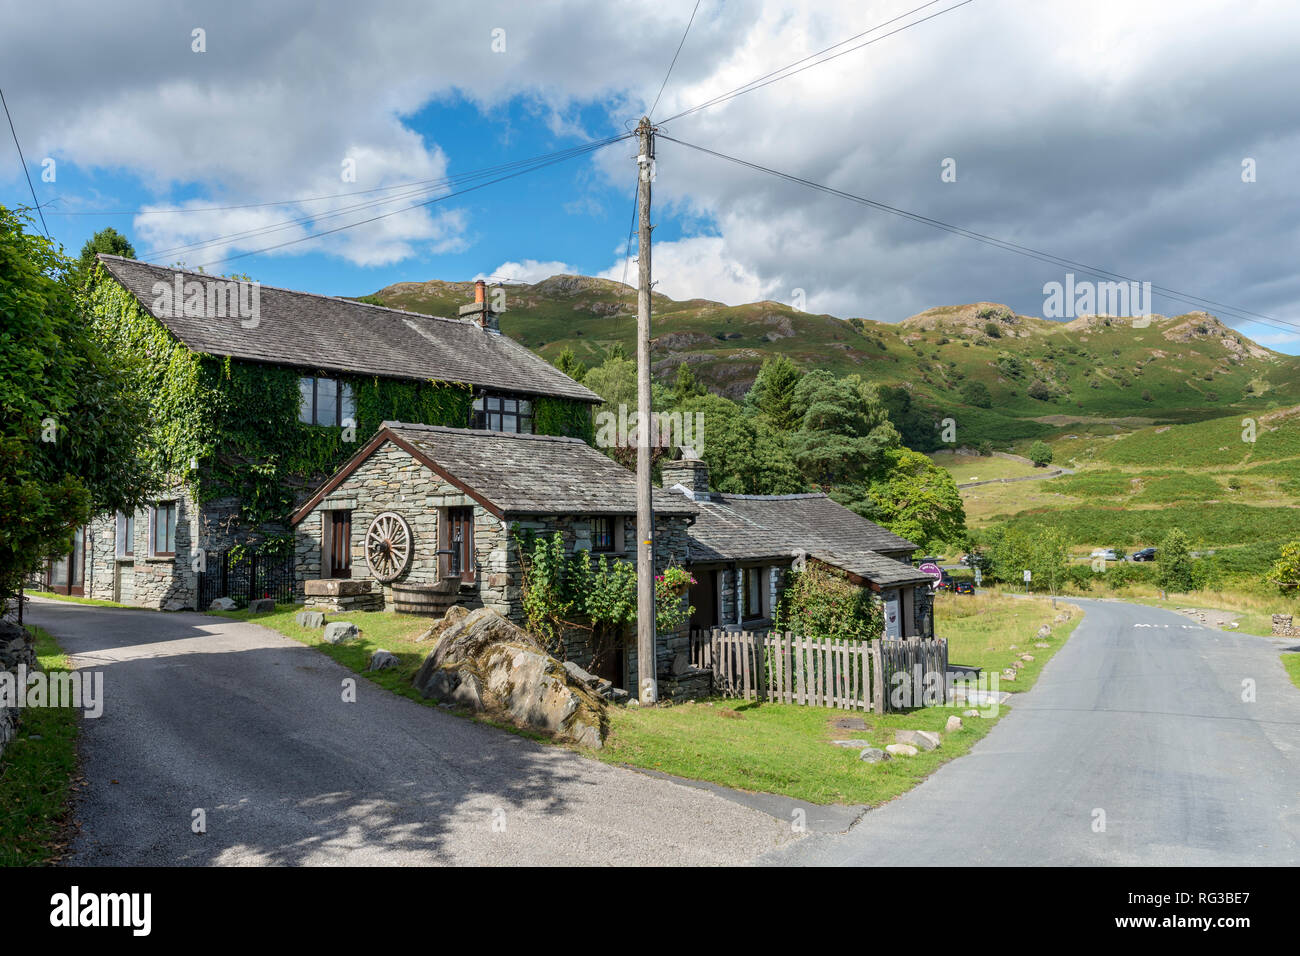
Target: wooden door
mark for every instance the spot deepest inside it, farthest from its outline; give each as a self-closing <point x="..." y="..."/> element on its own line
<point x="704" y="599"/>
<point x="67" y="573"/>
<point x="340" y="544"/>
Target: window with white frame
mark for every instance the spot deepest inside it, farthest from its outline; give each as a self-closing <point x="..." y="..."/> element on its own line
<point x="162" y="529"/>
<point x="325" y="401"/>
<point x="125" y="534"/>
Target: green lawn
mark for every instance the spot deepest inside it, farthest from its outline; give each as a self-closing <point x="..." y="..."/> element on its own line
<point x="990" y="630"/>
<point x="964" y="468"/>
<point x="781" y="748"/>
<point x="36" y="774"/>
<point x="786" y="749"/>
<point x="1292" y="664"/>
<point x="79" y="600"/>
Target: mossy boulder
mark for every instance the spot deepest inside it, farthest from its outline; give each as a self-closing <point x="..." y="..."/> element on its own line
<point x="483" y="661"/>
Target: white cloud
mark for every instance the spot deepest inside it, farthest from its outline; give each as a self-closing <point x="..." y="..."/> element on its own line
<point x="530" y="270"/>
<point x="698" y="267"/>
<point x="1101" y="130"/>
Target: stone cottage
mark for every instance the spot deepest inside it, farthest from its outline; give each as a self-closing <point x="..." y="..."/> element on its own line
<point x="742" y="547"/>
<point x="425" y="510"/>
<point x="258" y="395"/>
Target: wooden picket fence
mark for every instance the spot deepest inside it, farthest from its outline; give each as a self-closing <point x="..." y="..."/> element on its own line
<point x="818" y="672"/>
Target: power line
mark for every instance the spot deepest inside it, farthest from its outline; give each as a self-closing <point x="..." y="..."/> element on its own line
<point x="569" y="154"/>
<point x="39" y="211"/>
<point x="468" y="176"/>
<point x="173" y="210"/>
<point x="788" y="70"/>
<point x="1198" y="301"/>
<point x="664" y="84"/>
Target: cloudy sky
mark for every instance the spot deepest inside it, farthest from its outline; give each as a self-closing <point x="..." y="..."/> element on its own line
<point x="1114" y="133"/>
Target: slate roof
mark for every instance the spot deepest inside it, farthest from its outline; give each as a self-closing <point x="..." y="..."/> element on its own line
<point x="325" y="332"/>
<point x="518" y="474"/>
<point x="757" y="527"/>
<point x="874" y="567"/>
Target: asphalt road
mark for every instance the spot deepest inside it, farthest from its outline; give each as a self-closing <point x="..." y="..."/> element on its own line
<point x="206" y="713"/>
<point x="1139" y="723"/>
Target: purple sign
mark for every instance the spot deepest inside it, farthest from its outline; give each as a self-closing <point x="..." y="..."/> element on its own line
<point x="932" y="569"/>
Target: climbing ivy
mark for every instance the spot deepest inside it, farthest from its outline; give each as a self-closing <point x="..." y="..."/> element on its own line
<point x="563" y="592"/>
<point x="561" y="416"/>
<point x="821" y="602"/>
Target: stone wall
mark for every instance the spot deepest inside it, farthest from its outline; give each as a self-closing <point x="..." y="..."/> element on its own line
<point x="15" y="649"/>
<point x="389" y="480"/>
<point x="169" y="583"/>
<point x="1282" y="626"/>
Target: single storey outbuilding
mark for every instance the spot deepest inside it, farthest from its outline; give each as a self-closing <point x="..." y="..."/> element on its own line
<point x="442" y="508"/>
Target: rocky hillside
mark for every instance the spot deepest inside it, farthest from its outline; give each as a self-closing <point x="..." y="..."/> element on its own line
<point x="1041" y="376"/>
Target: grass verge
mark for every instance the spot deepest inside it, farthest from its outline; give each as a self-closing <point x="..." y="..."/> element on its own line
<point x="1291" y="664"/>
<point x="80" y="600"/>
<point x="787" y="749"/>
<point x="782" y="748"/>
<point x="36" y="774"/>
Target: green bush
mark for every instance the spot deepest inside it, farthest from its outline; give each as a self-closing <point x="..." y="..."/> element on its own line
<point x="821" y="602"/>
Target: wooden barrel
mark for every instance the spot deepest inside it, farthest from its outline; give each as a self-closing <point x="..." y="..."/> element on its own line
<point x="431" y="600"/>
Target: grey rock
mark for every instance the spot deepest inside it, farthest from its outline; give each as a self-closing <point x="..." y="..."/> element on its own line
<point x="855" y="744"/>
<point x="849" y="723"/>
<point x="453" y="614"/>
<point x="925" y="739"/>
<point x="901" y="750"/>
<point x="175" y="604"/>
<point x="970" y="713"/>
<point x="222" y="604"/>
<point x="874" y="755"/>
<point x="311" y="619"/>
<point x="578" y="674"/>
<point x="483" y="661"/>
<point x="261" y="606"/>
<point x="336" y="632"/>
<point x="954" y="723"/>
<point x="382" y="660"/>
<point x="681" y="663"/>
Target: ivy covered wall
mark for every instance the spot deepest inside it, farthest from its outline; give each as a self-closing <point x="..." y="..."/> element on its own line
<point x="562" y="416"/>
<point x="229" y="428"/>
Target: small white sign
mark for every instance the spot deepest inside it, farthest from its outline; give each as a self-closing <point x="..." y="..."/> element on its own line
<point x="978" y="577"/>
<point x="1028" y="576"/>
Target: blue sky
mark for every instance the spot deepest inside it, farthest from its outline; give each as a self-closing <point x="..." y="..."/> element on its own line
<point x="1105" y="132"/>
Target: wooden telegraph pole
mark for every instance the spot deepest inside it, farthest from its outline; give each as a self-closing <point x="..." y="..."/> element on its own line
<point x="648" y="685"/>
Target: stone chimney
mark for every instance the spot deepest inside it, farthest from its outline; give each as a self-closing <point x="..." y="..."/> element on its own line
<point x="688" y="471"/>
<point x="480" y="311"/>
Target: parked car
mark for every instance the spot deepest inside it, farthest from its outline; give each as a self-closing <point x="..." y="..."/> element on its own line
<point x="1106" y="553"/>
<point x="965" y="587"/>
<point x="1146" y="554"/>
